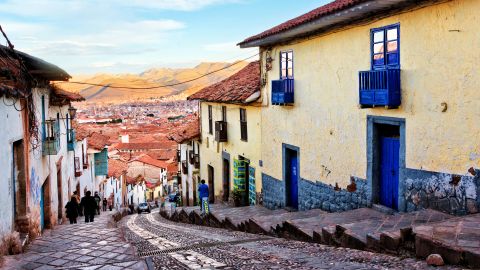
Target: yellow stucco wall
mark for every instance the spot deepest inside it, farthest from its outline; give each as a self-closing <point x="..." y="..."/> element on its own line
<point x="211" y="151"/>
<point x="440" y="56"/>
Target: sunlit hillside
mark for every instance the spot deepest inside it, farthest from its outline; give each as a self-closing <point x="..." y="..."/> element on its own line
<point x="108" y="91"/>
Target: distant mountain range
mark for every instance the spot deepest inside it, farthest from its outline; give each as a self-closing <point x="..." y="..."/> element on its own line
<point x="151" y="78"/>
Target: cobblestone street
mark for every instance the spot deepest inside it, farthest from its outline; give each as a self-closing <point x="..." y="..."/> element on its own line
<point x="85" y="246"/>
<point x="168" y="245"/>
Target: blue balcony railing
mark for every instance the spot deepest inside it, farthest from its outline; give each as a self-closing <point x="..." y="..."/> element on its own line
<point x="101" y="163"/>
<point x="71" y="139"/>
<point x="283" y="92"/>
<point x="51" y="138"/>
<point x="380" y="88"/>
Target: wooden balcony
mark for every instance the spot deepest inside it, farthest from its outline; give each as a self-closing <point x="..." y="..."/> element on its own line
<point x="71" y="140"/>
<point x="283" y="92"/>
<point x="51" y="139"/>
<point x="78" y="169"/>
<point x="379" y="88"/>
<point x="221" y="131"/>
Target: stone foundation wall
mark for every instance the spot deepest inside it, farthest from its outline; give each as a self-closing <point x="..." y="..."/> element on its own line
<point x="453" y="194"/>
<point x="273" y="192"/>
<point x="316" y="195"/>
<point x="326" y="197"/>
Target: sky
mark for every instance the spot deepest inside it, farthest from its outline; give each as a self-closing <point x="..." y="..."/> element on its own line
<point x="130" y="36"/>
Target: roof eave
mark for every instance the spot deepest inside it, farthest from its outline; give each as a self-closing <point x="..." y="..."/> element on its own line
<point x="345" y="17"/>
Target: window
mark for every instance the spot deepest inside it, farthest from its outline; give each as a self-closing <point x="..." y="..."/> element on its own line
<point x="210" y="120"/>
<point x="224" y="114"/>
<point x="243" y="125"/>
<point x="286" y="65"/>
<point x="385" y="47"/>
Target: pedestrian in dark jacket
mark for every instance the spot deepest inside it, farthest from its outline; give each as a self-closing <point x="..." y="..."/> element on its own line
<point x="104" y="204"/>
<point x="89" y="206"/>
<point x="72" y="210"/>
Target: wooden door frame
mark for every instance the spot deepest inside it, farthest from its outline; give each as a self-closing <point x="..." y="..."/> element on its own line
<point x="373" y="158"/>
<point x="286" y="149"/>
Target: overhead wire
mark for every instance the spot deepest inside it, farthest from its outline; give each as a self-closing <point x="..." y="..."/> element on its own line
<point x="165" y="85"/>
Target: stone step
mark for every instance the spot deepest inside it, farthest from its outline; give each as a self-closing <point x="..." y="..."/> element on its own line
<point x="271" y="224"/>
<point x="366" y="234"/>
<point x="238" y="221"/>
<point x="309" y="228"/>
<point x="391" y="240"/>
<point x="457" y="240"/>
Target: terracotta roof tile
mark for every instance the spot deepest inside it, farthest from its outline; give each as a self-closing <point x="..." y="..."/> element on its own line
<point x="317" y="13"/>
<point x="187" y="130"/>
<point x="97" y="141"/>
<point x="144" y="146"/>
<point x="117" y="168"/>
<point x="235" y="89"/>
<point x="150" y="161"/>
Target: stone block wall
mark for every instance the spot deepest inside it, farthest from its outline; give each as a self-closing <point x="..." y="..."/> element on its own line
<point x="326" y="197"/>
<point x="273" y="192"/>
<point x="316" y="195"/>
<point x="453" y="194"/>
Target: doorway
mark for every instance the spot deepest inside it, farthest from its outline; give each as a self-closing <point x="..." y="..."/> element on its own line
<point x="226" y="179"/>
<point x="45" y="210"/>
<point x="291" y="174"/>
<point x="386" y="160"/>
<point x="19" y="183"/>
<point x="59" y="191"/>
<point x="211" y="187"/>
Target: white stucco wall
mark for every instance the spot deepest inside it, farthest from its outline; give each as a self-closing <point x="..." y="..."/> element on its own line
<point x="10" y="119"/>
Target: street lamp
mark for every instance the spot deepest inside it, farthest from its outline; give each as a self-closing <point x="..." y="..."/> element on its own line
<point x="72" y="112"/>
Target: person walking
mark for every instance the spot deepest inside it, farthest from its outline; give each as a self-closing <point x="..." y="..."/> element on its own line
<point x="104" y="203"/>
<point x="77" y="197"/>
<point x="203" y="192"/>
<point x="89" y="206"/>
<point x="72" y="210"/>
<point x="98" y="200"/>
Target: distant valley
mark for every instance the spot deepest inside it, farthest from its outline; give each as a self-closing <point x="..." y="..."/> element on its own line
<point x="109" y="93"/>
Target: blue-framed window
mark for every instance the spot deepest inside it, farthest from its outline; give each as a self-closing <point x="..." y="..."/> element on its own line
<point x="385" y="47"/>
<point x="286" y="65"/>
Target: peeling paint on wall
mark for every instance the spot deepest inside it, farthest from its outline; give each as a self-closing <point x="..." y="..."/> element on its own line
<point x="35" y="189"/>
<point x="444" y="192"/>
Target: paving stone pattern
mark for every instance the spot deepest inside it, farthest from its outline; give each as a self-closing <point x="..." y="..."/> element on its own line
<point x="457" y="240"/>
<point x="355" y="235"/>
<point x="79" y="246"/>
<point x="269" y="253"/>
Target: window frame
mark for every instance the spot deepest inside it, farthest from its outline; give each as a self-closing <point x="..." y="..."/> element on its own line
<point x="385" y="41"/>
<point x="243" y="125"/>
<point x="210" y="120"/>
<point x="288" y="76"/>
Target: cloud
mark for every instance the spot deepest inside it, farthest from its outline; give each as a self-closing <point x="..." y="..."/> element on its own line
<point x="182" y="5"/>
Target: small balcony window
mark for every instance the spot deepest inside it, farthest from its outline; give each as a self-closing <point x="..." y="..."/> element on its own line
<point x="51" y="139"/>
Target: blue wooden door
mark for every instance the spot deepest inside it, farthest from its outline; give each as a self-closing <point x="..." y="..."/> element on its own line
<point x="294" y="181"/>
<point x="389" y="164"/>
<point x="42" y="222"/>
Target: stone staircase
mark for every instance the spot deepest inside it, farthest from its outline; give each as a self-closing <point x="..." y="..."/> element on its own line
<point x="415" y="233"/>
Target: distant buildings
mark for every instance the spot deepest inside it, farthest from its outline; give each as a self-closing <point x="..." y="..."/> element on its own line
<point x="231" y="137"/>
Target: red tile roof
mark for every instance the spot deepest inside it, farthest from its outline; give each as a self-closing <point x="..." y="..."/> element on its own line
<point x="143" y="146"/>
<point x="117" y="168"/>
<point x="315" y="14"/>
<point x="235" y="89"/>
<point x="97" y="141"/>
<point x="187" y="130"/>
<point x="63" y="94"/>
<point x="150" y="161"/>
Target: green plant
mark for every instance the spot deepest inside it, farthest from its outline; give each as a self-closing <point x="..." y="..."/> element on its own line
<point x="236" y="195"/>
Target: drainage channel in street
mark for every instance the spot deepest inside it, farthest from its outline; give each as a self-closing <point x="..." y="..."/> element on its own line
<point x="154" y="252"/>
